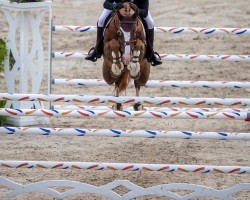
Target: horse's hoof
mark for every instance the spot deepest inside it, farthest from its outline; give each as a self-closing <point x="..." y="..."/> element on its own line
<point x="117" y="106"/>
<point x="138" y="107"/>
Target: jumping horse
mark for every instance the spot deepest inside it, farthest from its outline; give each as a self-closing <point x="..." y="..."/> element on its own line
<point x="124" y="52"/>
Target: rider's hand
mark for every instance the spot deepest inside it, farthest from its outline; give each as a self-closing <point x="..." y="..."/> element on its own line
<point x="117" y="6"/>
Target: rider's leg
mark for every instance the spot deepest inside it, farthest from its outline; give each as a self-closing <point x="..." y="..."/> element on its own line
<point x="154" y="57"/>
<point x="96" y="52"/>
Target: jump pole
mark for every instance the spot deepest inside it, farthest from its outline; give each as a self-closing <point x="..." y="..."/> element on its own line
<point x="125" y="167"/>
<point x="160" y="109"/>
<point x="125" y="114"/>
<point x="124" y="133"/>
<point x="169" y="57"/>
<point x="125" y="99"/>
<point x="158" y="83"/>
<point x="173" y="30"/>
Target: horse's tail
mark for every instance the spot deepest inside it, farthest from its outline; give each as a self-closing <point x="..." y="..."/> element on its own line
<point x="125" y="79"/>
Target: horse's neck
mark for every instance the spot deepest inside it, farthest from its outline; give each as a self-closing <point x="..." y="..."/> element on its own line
<point x="142" y="29"/>
<point x="110" y="26"/>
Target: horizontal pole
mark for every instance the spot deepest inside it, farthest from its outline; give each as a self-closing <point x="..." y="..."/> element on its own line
<point x="125" y="133"/>
<point x="125" y="114"/>
<point x="125" y="99"/>
<point x="160" y="109"/>
<point x="173" y="30"/>
<point x="125" y="167"/>
<point x="170" y="57"/>
<point x="158" y="83"/>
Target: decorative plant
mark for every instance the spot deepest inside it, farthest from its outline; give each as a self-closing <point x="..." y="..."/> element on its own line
<point x="3" y="52"/>
<point x="3" y="119"/>
<point x="25" y="1"/>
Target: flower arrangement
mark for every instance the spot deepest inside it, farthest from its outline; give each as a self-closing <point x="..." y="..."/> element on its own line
<point x="3" y="52"/>
<point x="3" y="119"/>
<point x="25" y="1"/>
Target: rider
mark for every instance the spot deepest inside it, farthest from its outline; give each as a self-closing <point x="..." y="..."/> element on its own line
<point x="113" y="5"/>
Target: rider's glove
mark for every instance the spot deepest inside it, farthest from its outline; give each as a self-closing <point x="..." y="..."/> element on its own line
<point x="117" y="6"/>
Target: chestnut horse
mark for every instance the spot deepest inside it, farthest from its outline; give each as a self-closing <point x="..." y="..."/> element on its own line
<point x="124" y="52"/>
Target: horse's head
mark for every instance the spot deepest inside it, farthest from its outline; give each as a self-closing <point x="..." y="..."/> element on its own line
<point x="128" y="17"/>
<point x="128" y="10"/>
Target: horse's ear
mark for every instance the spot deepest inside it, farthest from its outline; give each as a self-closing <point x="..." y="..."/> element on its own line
<point x="120" y="16"/>
<point x="136" y="10"/>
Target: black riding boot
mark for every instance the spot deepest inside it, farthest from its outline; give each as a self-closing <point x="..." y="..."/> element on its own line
<point x="96" y="52"/>
<point x="154" y="57"/>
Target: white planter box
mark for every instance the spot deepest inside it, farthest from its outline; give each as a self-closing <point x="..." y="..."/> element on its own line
<point x="25" y="6"/>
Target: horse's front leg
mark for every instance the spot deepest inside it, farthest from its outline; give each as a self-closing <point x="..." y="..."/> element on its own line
<point x="134" y="66"/>
<point x="117" y="64"/>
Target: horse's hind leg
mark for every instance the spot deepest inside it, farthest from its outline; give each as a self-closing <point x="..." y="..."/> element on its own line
<point x="117" y="106"/>
<point x="144" y="76"/>
<point x="137" y="106"/>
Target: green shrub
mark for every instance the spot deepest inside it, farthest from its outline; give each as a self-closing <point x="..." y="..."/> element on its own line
<point x="3" y="52"/>
<point x="3" y="119"/>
